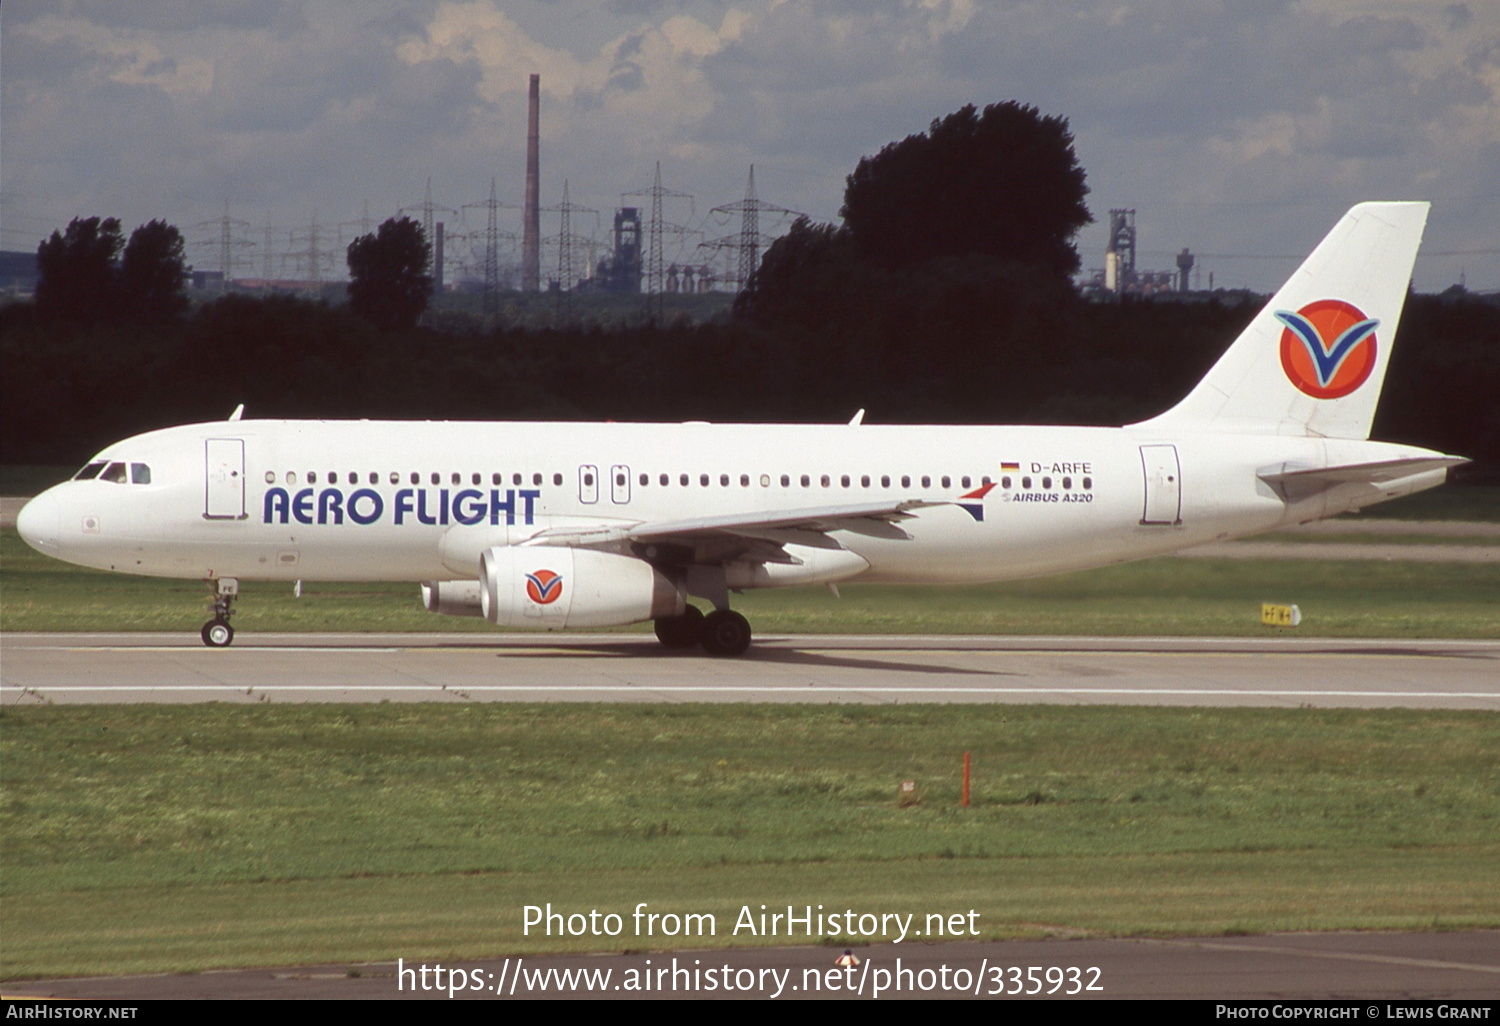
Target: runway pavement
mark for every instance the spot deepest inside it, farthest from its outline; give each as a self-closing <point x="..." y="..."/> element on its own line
<point x="1276" y="672"/>
<point x="1355" y="967"/>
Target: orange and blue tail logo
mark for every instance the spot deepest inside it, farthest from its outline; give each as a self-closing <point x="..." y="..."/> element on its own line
<point x="1327" y="348"/>
<point x="544" y="587"/>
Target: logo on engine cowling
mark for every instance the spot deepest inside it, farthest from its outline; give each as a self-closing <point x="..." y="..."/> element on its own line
<point x="544" y="587"/>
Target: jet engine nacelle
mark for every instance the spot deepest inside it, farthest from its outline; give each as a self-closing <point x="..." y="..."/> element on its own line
<point x="556" y="588"/>
<point x="453" y="598"/>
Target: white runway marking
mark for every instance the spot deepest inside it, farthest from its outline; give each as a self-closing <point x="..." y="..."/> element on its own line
<point x="1301" y="671"/>
<point x="531" y="689"/>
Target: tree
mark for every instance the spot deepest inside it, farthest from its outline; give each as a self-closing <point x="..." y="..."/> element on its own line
<point x="1005" y="183"/>
<point x="390" y="285"/>
<point x="154" y="273"/>
<point x="76" y="271"/>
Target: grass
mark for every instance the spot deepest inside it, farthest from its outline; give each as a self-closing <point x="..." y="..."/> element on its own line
<point x="160" y="838"/>
<point x="1453" y="502"/>
<point x="1167" y="596"/>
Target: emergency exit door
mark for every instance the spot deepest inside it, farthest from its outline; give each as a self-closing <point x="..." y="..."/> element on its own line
<point x="224" y="479"/>
<point x="1163" y="485"/>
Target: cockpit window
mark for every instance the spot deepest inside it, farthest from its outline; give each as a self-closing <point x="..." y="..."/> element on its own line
<point x="140" y="473"/>
<point x="115" y="473"/>
<point x="90" y="472"/>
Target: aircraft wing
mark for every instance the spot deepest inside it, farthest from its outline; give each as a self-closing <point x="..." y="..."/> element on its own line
<point x="1299" y="481"/>
<point x="760" y="536"/>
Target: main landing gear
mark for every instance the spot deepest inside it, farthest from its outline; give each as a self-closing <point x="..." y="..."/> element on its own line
<point x="217" y="633"/>
<point x="721" y="633"/>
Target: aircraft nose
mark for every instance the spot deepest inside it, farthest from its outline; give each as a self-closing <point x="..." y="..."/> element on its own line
<point x="38" y="522"/>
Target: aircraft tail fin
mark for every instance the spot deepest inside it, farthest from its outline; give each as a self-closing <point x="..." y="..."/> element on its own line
<point x="1313" y="360"/>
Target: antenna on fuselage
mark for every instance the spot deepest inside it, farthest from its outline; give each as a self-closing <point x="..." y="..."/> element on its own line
<point x="239" y="411"/>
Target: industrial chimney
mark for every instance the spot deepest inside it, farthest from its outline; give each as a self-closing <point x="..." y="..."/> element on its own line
<point x="531" y="237"/>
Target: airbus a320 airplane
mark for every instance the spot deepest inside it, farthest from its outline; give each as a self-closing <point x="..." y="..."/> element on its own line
<point x="557" y="526"/>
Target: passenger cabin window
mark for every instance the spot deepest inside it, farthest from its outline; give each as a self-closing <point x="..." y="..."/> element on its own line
<point x="90" y="471"/>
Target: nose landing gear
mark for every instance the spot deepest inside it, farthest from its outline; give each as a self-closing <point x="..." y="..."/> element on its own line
<point x="217" y="633"/>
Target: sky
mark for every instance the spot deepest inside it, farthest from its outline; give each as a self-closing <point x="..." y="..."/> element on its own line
<point x="1241" y="129"/>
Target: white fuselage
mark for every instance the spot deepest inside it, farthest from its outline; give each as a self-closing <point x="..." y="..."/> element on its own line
<point x="420" y="501"/>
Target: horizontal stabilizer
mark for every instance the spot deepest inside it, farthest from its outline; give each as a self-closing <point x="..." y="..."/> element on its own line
<point x="1293" y="482"/>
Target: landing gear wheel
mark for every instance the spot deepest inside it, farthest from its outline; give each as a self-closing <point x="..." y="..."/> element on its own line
<point x="683" y="631"/>
<point x="217" y="633"/>
<point x="725" y="633"/>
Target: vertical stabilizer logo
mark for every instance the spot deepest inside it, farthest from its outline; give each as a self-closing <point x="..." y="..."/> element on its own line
<point x="544" y="587"/>
<point x="1327" y="348"/>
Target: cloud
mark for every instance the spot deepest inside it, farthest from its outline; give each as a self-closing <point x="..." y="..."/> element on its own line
<point x="1197" y="112"/>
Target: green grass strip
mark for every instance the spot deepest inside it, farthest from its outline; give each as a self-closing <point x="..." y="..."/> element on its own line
<point x="158" y="838"/>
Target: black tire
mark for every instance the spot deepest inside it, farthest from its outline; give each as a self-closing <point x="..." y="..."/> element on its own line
<point x="683" y="631"/>
<point x="217" y="634"/>
<point x="725" y="633"/>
